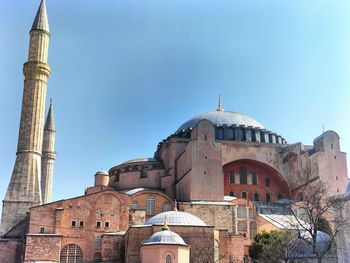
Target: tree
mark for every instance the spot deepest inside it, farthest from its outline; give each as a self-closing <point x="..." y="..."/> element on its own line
<point x="270" y="247"/>
<point x="315" y="222"/>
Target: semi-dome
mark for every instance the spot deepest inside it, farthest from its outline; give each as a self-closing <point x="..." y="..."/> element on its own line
<point x="165" y="237"/>
<point x="221" y="118"/>
<point x="176" y="218"/>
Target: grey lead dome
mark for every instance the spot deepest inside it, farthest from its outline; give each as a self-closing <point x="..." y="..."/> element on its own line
<point x="220" y="118"/>
<point x="176" y="218"/>
<point x="165" y="237"/>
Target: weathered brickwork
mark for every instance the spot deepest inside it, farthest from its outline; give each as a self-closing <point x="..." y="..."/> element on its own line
<point x="42" y="247"/>
<point x="11" y="251"/>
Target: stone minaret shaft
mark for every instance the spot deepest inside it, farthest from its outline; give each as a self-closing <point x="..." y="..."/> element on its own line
<point x="48" y="156"/>
<point x="24" y="189"/>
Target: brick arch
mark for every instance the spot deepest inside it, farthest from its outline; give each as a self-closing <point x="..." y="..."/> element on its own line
<point x="278" y="184"/>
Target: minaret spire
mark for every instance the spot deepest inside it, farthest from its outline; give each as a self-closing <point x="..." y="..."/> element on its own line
<point x="220" y="108"/>
<point x="48" y="156"/>
<point x="41" y="21"/>
<point x="24" y="189"/>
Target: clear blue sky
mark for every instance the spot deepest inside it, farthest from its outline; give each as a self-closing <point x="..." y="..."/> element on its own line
<point x="126" y="74"/>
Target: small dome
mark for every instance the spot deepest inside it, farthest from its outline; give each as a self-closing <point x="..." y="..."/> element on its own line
<point x="165" y="237"/>
<point x="220" y="118"/>
<point x="103" y="172"/>
<point x="299" y="247"/>
<point x="176" y="218"/>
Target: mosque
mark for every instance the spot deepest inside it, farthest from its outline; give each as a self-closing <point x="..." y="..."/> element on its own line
<point x="214" y="183"/>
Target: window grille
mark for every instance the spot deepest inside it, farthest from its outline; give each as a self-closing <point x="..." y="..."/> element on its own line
<point x="71" y="254"/>
<point x="168" y="259"/>
<point x="134" y="205"/>
<point x="98" y="242"/>
<point x="242" y="227"/>
<point x="165" y="207"/>
<point x="241" y="212"/>
<point x="150" y="206"/>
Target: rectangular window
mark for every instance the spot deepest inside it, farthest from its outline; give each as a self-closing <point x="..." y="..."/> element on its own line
<point x="81" y="224"/>
<point x="74" y="223"/>
<point x="232" y="177"/>
<point x="98" y="224"/>
<point x="42" y="230"/>
<point x="106" y="224"/>
<point x="98" y="242"/>
<point x="150" y="206"/>
<point x="242" y="227"/>
<point x="241" y="212"/>
<point x="254" y="178"/>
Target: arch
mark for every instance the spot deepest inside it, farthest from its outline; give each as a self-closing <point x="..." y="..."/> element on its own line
<point x="244" y="195"/>
<point x="232" y="193"/>
<point x="262" y="171"/>
<point x="71" y="253"/>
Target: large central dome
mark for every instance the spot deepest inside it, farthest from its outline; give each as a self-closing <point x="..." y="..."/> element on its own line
<point x="220" y="118"/>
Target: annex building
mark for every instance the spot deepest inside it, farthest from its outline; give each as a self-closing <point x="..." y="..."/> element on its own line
<point x="214" y="183"/>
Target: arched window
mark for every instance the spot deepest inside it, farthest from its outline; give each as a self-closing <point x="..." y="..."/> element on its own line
<point x="268" y="198"/>
<point x="232" y="177"/>
<point x="168" y="259"/>
<point x="71" y="254"/>
<point x="232" y="193"/>
<point x="242" y="175"/>
<point x="256" y="197"/>
<point x="150" y="206"/>
<point x="254" y="178"/>
<point x="267" y="181"/>
<point x="244" y="195"/>
<point x="165" y="207"/>
<point x="134" y="205"/>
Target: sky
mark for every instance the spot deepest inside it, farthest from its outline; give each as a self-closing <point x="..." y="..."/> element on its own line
<point x="126" y="74"/>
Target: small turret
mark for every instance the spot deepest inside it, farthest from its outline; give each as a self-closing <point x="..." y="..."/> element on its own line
<point x="101" y="178"/>
<point x="48" y="156"/>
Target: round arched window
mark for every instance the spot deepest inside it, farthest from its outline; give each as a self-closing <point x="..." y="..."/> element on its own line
<point x="71" y="254"/>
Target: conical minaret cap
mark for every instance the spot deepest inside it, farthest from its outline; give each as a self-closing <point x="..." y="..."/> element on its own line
<point x="50" y="121"/>
<point x="41" y="21"/>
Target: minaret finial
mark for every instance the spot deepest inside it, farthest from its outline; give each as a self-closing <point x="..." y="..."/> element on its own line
<point x="50" y="101"/>
<point x="220" y="108"/>
<point x="165" y="226"/>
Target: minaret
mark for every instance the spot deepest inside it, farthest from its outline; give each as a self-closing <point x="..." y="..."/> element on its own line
<point x="24" y="189"/>
<point x="48" y="156"/>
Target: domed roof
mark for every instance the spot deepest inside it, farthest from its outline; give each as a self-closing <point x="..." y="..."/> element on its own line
<point x="299" y="247"/>
<point x="176" y="218"/>
<point x="101" y="172"/>
<point x="165" y="237"/>
<point x="220" y="118"/>
<point x="143" y="159"/>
